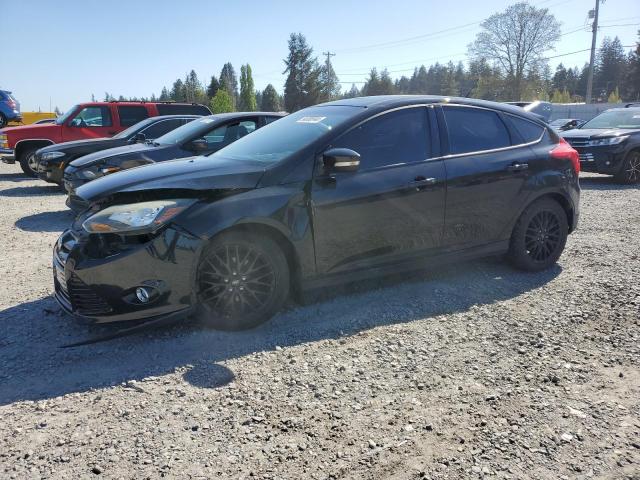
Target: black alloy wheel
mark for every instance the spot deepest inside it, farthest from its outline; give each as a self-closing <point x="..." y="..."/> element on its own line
<point x="243" y="279"/>
<point x="28" y="162"/>
<point x="539" y="236"/>
<point x="630" y="172"/>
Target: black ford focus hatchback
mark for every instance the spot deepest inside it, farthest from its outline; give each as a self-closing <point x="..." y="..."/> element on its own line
<point x="332" y="193"/>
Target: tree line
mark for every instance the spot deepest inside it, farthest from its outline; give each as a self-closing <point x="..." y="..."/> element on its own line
<point x="506" y="63"/>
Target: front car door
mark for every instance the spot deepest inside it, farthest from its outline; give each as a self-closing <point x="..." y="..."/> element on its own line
<point x="393" y="206"/>
<point x="487" y="167"/>
<point x="93" y="121"/>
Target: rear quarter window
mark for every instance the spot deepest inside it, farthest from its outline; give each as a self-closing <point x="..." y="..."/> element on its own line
<point x="528" y="131"/>
<point x="474" y="130"/>
<point x="130" y="115"/>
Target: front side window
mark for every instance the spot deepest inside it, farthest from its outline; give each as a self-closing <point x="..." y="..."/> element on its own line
<point x="92" y="117"/>
<point x="130" y="115"/>
<point x="474" y="130"/>
<point x="393" y="138"/>
<point x="229" y="133"/>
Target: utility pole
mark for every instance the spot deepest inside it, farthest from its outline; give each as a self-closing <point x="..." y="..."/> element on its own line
<point x="328" y="55"/>
<point x="594" y="30"/>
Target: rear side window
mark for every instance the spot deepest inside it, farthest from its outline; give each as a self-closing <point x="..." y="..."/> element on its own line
<point x="163" y="126"/>
<point x="529" y="131"/>
<point x="2" y="96"/>
<point x="474" y="130"/>
<point x="130" y="115"/>
<point x="179" y="109"/>
<point x="392" y="138"/>
<point x="229" y="133"/>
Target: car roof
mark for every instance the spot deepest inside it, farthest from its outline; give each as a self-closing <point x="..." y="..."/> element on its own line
<point x="390" y="101"/>
<point x="162" y="117"/>
<point x="624" y="109"/>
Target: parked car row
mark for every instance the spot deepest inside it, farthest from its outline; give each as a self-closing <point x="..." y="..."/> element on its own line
<point x="255" y="207"/>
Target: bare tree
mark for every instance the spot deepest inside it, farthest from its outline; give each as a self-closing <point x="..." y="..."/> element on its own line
<point x="515" y="41"/>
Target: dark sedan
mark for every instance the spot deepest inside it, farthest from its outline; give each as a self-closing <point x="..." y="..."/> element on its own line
<point x="52" y="160"/>
<point x="204" y="136"/>
<point x="562" y="124"/>
<point x="332" y="193"/>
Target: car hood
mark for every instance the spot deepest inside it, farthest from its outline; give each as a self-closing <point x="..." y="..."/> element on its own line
<point x="92" y="142"/>
<point x="597" y="132"/>
<point x="96" y="157"/>
<point x="194" y="173"/>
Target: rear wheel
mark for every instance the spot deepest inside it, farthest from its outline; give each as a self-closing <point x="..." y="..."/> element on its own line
<point x="28" y="162"/>
<point x="539" y="237"/>
<point x="630" y="172"/>
<point x="242" y="281"/>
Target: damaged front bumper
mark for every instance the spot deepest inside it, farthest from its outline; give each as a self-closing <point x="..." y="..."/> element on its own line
<point x="97" y="276"/>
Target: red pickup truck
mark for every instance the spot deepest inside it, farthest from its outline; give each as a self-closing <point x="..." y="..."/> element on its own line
<point x="83" y="121"/>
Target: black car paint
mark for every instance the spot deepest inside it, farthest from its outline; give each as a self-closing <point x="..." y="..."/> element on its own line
<point x="52" y="170"/>
<point x="605" y="159"/>
<point x="143" y="154"/>
<point x="334" y="227"/>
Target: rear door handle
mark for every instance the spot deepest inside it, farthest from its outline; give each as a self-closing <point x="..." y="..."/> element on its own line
<point x="421" y="181"/>
<point x="517" y="167"/>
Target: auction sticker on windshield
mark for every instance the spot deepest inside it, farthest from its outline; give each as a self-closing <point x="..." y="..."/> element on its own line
<point x="310" y="119"/>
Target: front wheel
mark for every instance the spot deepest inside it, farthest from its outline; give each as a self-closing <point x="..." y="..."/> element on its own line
<point x="539" y="237"/>
<point x="3" y="121"/>
<point x="242" y="281"/>
<point x="629" y="174"/>
<point x="28" y="162"/>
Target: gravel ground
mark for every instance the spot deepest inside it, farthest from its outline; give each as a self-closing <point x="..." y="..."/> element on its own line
<point x="472" y="371"/>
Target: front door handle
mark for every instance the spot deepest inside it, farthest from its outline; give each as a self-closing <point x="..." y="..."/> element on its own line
<point x="518" y="167"/>
<point x="421" y="181"/>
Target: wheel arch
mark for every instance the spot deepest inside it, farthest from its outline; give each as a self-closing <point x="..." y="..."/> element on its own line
<point x="22" y="145"/>
<point x="561" y="199"/>
<point x="284" y="243"/>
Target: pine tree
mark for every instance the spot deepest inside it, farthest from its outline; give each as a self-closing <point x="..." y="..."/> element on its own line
<point x="614" y="97"/>
<point x="247" y="101"/>
<point x="178" y="93"/>
<point x="610" y="67"/>
<point x="302" y="86"/>
<point x="213" y="87"/>
<point x="164" y="95"/>
<point x="631" y="89"/>
<point x="329" y="83"/>
<point x="270" y="100"/>
<point x="353" y="92"/>
<point x="229" y="81"/>
<point x="222" y="102"/>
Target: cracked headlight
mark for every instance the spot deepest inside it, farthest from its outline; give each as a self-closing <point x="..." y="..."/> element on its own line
<point x="136" y="218"/>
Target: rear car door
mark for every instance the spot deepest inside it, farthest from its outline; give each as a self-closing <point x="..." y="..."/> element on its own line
<point x="92" y="121"/>
<point x="487" y="167"/>
<point x="393" y="206"/>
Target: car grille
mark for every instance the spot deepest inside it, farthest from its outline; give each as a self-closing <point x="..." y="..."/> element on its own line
<point x="578" y="142"/>
<point x="586" y="157"/>
<point x="72" y="292"/>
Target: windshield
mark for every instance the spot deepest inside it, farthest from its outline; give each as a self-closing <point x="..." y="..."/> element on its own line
<point x="136" y="127"/>
<point x="186" y="132"/>
<point x="63" y="118"/>
<point x="623" y="118"/>
<point x="288" y="135"/>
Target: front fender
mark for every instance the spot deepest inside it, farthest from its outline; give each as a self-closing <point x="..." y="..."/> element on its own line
<point x="282" y="209"/>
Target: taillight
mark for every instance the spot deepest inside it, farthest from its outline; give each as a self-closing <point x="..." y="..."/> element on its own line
<point x="564" y="151"/>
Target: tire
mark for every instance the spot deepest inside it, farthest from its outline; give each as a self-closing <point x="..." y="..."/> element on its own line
<point x="629" y="174"/>
<point x="539" y="237"/>
<point x="3" y="121"/>
<point x="229" y="300"/>
<point x="27" y="162"/>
